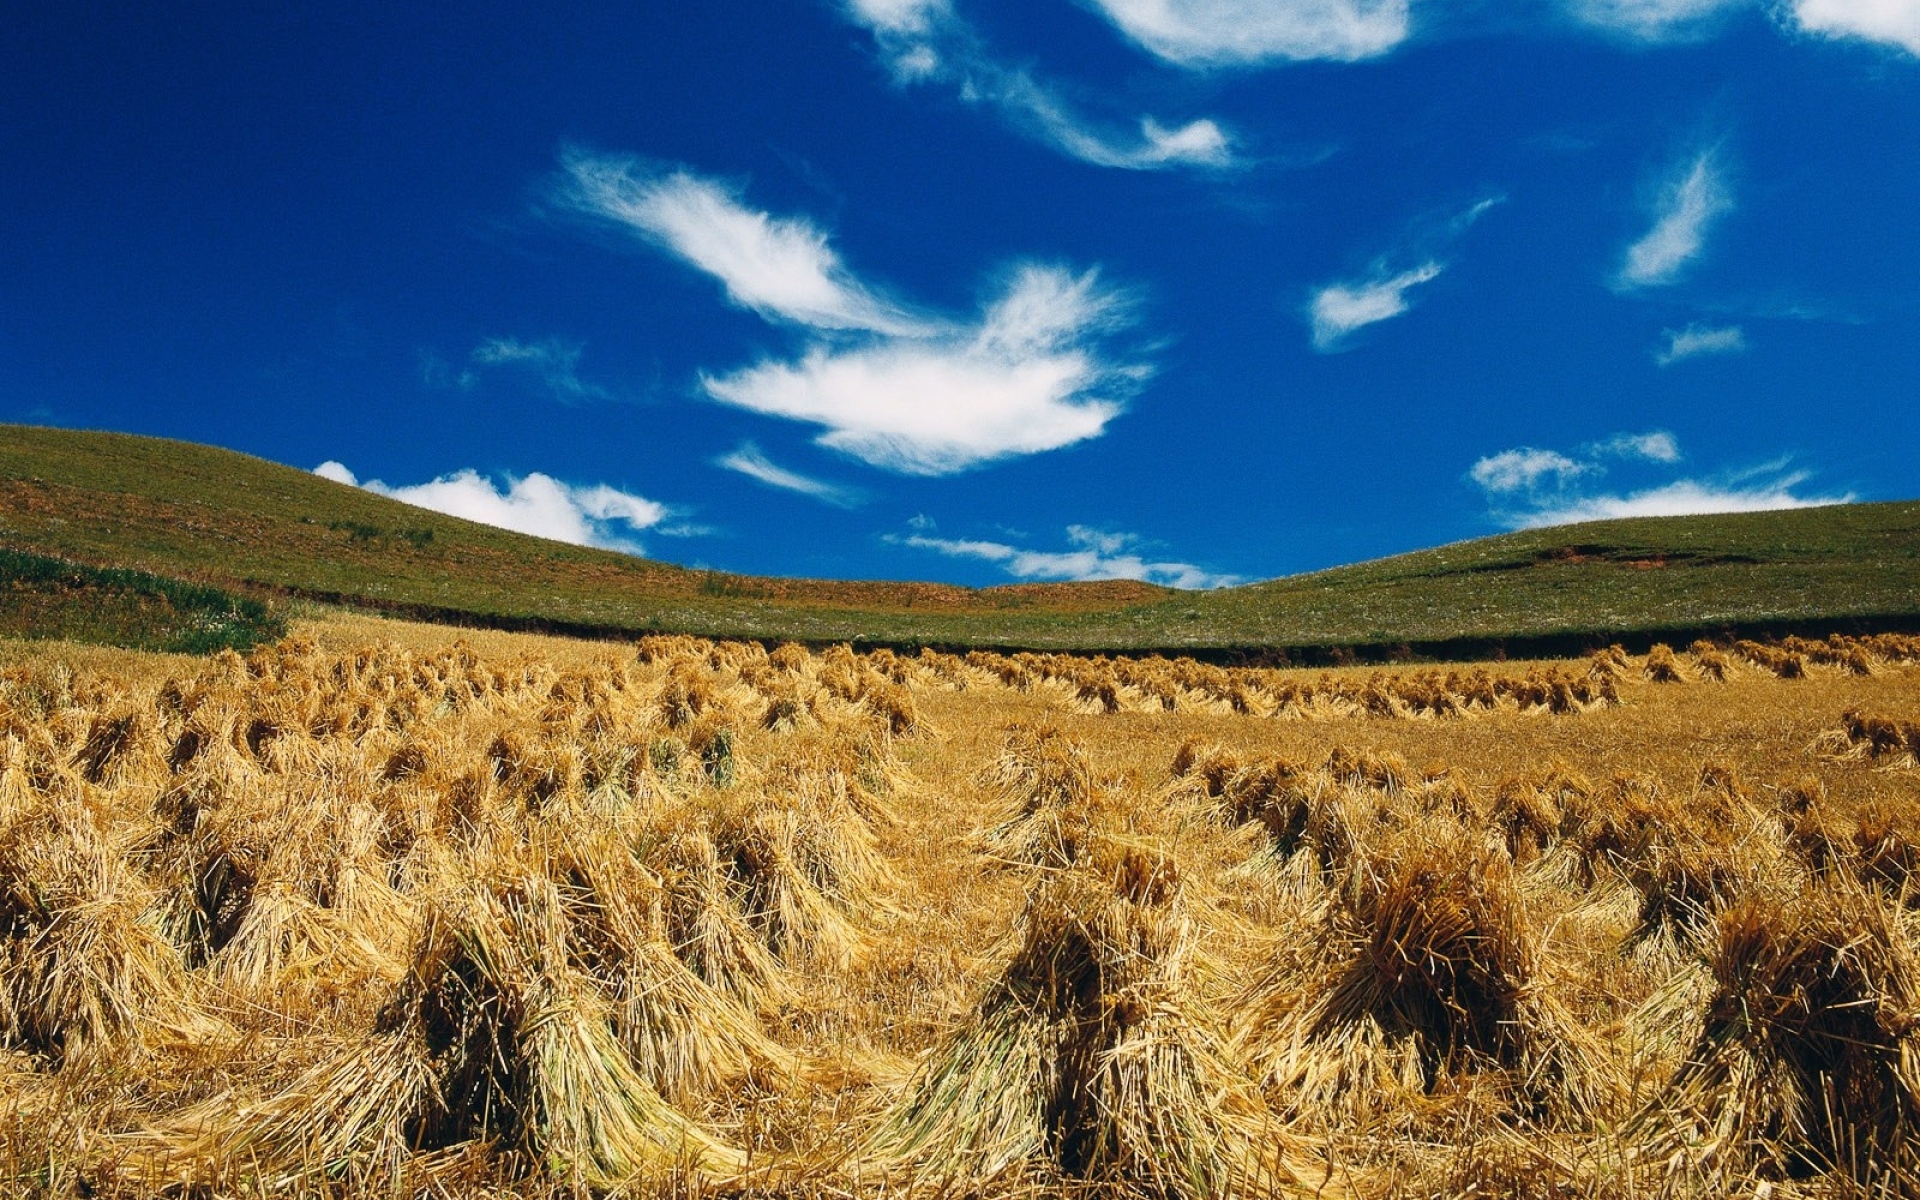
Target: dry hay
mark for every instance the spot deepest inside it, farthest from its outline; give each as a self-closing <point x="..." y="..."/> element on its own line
<point x="494" y="1036"/>
<point x="1088" y="1062"/>
<point x="1886" y="741"/>
<point x="406" y="922"/>
<point x="1663" y="666"/>
<point x="1805" y="1059"/>
<point x="1423" y="972"/>
<point x="1050" y="802"/>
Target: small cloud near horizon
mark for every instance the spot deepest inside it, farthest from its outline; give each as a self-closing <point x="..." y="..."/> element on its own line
<point x="1529" y="487"/>
<point x="1096" y="554"/>
<point x="536" y="504"/>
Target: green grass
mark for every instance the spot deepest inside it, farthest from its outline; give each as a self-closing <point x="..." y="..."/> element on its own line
<point x="202" y="514"/>
<point x="43" y="597"/>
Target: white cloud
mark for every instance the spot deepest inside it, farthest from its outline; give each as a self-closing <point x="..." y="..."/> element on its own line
<point x="1524" y="469"/>
<point x="912" y="17"/>
<point x="1029" y="105"/>
<point x="1658" y="446"/>
<point x="1655" y="20"/>
<point x="336" y="471"/>
<point x="554" y="363"/>
<point x="536" y="504"/>
<point x="1531" y="488"/>
<point x="1338" y="309"/>
<point x="748" y="460"/>
<point x="778" y="267"/>
<point x="1889" y="22"/>
<point x="1682" y="498"/>
<point x="924" y="41"/>
<point x="1096" y="554"/>
<point x="1024" y="379"/>
<point x="1215" y="33"/>
<point x="1688" y="205"/>
<point x="1341" y="308"/>
<point x="1697" y="340"/>
<point x="1893" y="22"/>
<point x="920" y="395"/>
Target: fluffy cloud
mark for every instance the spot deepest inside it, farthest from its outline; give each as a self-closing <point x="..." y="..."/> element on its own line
<point x="1697" y="340"/>
<point x="1893" y="22"/>
<point x="1341" y="308"/>
<point x="748" y="460"/>
<point x="1214" y="33"/>
<point x="1095" y="554"/>
<point x="1023" y="379"/>
<point x="1530" y="488"/>
<point x="781" y="268"/>
<point x="925" y="41"/>
<point x="1692" y="199"/>
<point x="537" y="504"/>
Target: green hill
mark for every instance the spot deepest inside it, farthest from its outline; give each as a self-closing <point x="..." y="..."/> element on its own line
<point x="226" y="520"/>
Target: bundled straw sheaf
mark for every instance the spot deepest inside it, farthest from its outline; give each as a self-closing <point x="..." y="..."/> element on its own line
<point x="1423" y="970"/>
<point x="1806" y="1056"/>
<point x="1050" y="800"/>
<point x="1089" y="1060"/>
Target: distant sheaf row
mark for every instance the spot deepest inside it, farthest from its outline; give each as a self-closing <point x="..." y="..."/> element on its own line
<point x="1154" y="684"/>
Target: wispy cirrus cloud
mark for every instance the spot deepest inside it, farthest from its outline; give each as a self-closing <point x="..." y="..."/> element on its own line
<point x="1684" y="498"/>
<point x="1529" y="488"/>
<point x="1692" y="198"/>
<point x="1093" y="554"/>
<point x="1656" y="20"/>
<point x="1697" y="341"/>
<point x="1658" y="446"/>
<point x="927" y="42"/>
<point x="1339" y="309"/>
<point x="892" y="386"/>
<point x="1893" y="23"/>
<point x="1234" y="33"/>
<point x="552" y="362"/>
<point x="781" y="268"/>
<point x="536" y="504"/>
<point x="749" y="460"/>
<point x="1022" y="379"/>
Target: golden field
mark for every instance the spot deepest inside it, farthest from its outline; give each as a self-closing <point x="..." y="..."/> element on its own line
<point x="392" y="910"/>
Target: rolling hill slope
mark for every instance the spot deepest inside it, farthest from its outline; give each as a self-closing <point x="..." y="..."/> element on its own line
<point x="212" y="516"/>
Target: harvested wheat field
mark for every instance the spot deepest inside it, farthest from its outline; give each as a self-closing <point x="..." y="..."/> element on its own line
<point x="383" y="911"/>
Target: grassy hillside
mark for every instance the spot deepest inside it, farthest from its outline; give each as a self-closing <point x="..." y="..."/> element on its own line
<point x="213" y="516"/>
<point x="43" y="597"/>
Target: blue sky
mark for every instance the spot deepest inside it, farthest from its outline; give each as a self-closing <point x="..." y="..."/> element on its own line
<point x="984" y="290"/>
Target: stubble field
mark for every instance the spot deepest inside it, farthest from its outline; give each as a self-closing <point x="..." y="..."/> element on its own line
<point x="384" y="911"/>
